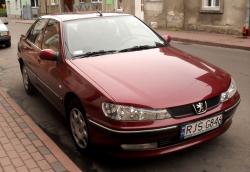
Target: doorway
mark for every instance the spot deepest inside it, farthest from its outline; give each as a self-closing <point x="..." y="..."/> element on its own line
<point x="139" y="9"/>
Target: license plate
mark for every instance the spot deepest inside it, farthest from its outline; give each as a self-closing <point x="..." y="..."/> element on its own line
<point x="199" y="127"/>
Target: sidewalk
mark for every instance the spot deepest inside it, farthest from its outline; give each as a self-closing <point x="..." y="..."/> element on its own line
<point x="24" y="21"/>
<point x="24" y="146"/>
<point x="213" y="39"/>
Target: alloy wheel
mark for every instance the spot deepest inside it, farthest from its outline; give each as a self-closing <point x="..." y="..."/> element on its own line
<point x="78" y="128"/>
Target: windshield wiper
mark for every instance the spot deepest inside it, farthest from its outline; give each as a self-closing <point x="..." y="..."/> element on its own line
<point x="136" y="48"/>
<point x="96" y="53"/>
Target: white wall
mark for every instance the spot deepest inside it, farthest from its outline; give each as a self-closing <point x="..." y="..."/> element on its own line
<point x="13" y="7"/>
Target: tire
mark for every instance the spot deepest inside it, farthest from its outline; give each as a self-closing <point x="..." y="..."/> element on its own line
<point x="78" y="126"/>
<point x="28" y="87"/>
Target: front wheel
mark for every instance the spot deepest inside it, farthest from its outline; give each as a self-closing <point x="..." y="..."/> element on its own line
<point x="28" y="87"/>
<point x="78" y="125"/>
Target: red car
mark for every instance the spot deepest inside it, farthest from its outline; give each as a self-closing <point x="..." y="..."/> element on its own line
<point x="122" y="87"/>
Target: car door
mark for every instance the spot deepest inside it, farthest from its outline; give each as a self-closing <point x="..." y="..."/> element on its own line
<point x="51" y="73"/>
<point x="31" y="47"/>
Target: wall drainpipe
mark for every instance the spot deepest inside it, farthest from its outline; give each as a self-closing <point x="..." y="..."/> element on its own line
<point x="246" y="30"/>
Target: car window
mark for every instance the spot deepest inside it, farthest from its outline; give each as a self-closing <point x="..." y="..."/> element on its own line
<point x="36" y="33"/>
<point x="107" y="34"/>
<point x="51" y="36"/>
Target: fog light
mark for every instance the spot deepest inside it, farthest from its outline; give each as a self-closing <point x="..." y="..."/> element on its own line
<point x="145" y="146"/>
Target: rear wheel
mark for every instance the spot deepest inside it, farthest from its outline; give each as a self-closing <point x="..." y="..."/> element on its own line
<point x="28" y="87"/>
<point x="78" y="125"/>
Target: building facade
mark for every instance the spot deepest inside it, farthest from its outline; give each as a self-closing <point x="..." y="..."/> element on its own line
<point x="222" y="16"/>
<point x="22" y="8"/>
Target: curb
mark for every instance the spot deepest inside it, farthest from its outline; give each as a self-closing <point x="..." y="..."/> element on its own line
<point x="56" y="151"/>
<point x="211" y="43"/>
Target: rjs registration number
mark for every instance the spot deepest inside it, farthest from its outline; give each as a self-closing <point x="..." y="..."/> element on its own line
<point x="199" y="127"/>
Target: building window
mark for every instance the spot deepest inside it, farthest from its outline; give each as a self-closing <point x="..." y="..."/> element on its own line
<point x="96" y="1"/>
<point x="211" y="4"/>
<point x="54" y="2"/>
<point x="34" y="3"/>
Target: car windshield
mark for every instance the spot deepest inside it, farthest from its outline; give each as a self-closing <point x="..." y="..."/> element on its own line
<point x="105" y="35"/>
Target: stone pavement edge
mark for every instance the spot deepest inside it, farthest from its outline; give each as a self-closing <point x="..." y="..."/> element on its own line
<point x="24" y="146"/>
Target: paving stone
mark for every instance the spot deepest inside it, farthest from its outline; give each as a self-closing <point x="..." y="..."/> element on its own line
<point x="30" y="163"/>
<point x="22" y="169"/>
<point x="10" y="169"/>
<point x="17" y="162"/>
<point x="43" y="150"/>
<point x="22" y="125"/>
<point x="25" y="156"/>
<point x="5" y="161"/>
<point x="37" y="156"/>
<point x="12" y="154"/>
<point x="43" y="164"/>
<point x="58" y="167"/>
<point x="32" y="136"/>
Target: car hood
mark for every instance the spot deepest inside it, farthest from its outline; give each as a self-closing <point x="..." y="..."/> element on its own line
<point x="3" y="27"/>
<point x="156" y="78"/>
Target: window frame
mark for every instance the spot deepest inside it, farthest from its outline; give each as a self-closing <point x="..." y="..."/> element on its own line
<point x="60" y="39"/>
<point x="213" y="8"/>
<point x="54" y="2"/>
<point x="32" y="28"/>
<point x="36" y="2"/>
<point x="96" y="1"/>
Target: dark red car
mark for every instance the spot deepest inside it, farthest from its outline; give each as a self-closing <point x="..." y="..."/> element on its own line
<point x="122" y="87"/>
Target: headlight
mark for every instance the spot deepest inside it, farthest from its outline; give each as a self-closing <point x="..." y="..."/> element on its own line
<point x="230" y="92"/>
<point x="129" y="113"/>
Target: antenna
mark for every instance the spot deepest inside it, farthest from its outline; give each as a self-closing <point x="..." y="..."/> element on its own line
<point x="100" y="13"/>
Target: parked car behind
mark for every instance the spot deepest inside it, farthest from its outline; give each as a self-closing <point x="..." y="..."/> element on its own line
<point x="122" y="87"/>
<point x="5" y="37"/>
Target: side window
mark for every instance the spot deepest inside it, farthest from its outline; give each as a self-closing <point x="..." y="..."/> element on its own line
<point x="51" y="38"/>
<point x="36" y="33"/>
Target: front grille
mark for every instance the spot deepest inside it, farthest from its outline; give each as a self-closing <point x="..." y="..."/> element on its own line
<point x="168" y="141"/>
<point x="187" y="110"/>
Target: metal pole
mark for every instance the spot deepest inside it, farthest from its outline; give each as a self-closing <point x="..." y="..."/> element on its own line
<point x="21" y="8"/>
<point x="248" y="15"/>
<point x="46" y="10"/>
<point x="60" y="6"/>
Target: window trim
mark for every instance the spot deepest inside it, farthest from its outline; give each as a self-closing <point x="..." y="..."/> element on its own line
<point x="36" y="4"/>
<point x="212" y="9"/>
<point x="60" y="37"/>
<point x="54" y="2"/>
<point x="31" y="29"/>
<point x="96" y="1"/>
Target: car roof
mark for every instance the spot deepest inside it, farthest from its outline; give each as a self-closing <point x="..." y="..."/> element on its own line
<point x="75" y="16"/>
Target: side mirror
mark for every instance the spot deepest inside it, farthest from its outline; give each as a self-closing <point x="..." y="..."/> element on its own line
<point x="167" y="38"/>
<point x="6" y="23"/>
<point x="48" y="54"/>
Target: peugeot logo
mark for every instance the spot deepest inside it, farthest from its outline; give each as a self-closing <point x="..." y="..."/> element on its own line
<point x="200" y="107"/>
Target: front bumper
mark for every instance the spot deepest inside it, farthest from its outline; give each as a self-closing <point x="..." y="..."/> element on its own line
<point x="166" y="139"/>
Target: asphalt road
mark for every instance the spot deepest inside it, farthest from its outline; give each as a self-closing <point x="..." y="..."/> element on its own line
<point x="228" y="153"/>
